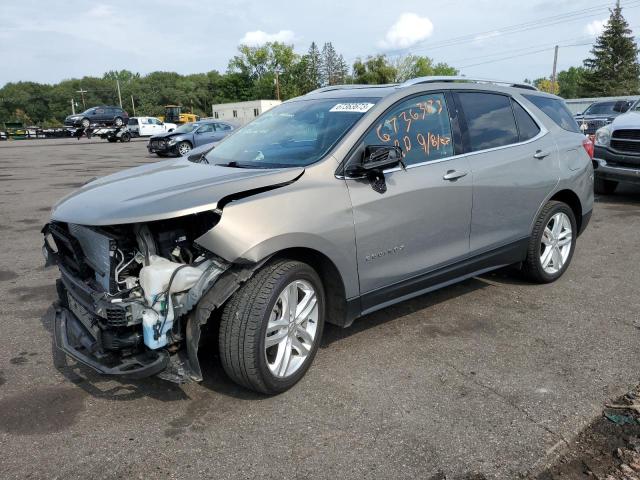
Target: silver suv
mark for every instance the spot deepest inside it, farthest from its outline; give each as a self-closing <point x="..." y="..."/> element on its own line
<point x="324" y="209"/>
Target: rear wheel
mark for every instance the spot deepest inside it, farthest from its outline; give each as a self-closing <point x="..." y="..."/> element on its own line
<point x="271" y="327"/>
<point x="118" y="122"/>
<point x="183" y="148"/>
<point x="604" y="187"/>
<point x="85" y="123"/>
<point x="552" y="243"/>
<point x="125" y="137"/>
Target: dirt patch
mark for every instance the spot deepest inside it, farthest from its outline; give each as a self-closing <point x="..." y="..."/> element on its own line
<point x="40" y="411"/>
<point x="608" y="449"/>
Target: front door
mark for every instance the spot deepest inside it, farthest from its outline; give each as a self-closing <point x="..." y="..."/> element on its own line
<point x="421" y="221"/>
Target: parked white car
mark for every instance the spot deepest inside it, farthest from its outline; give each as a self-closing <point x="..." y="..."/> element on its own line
<point x="149" y="126"/>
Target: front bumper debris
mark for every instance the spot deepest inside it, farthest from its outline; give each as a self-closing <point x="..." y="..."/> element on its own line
<point x="77" y="341"/>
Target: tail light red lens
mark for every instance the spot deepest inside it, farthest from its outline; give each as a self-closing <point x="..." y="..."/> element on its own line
<point x="589" y="147"/>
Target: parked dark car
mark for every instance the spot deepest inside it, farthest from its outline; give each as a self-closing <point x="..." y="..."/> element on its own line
<point x="187" y="136"/>
<point x="103" y="115"/>
<point x="599" y="114"/>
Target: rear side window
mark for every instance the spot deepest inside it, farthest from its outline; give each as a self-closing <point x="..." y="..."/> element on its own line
<point x="419" y="126"/>
<point x="133" y="121"/>
<point x="556" y="110"/>
<point x="527" y="128"/>
<point x="489" y="119"/>
<point x="222" y="126"/>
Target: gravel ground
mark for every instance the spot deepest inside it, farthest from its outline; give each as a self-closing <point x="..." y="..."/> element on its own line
<point x="490" y="378"/>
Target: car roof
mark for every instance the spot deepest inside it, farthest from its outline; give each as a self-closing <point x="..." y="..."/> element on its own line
<point x="427" y="83"/>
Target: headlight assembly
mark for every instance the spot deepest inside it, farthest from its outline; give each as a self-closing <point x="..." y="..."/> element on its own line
<point x="603" y="135"/>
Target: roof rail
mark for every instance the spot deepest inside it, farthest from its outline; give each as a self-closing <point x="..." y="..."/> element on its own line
<point x="353" y="86"/>
<point x="421" y="80"/>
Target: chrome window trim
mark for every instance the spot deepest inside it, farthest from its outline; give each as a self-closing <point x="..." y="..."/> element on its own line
<point x="543" y="131"/>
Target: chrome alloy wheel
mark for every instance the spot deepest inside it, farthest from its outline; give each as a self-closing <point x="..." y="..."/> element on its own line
<point x="184" y="148"/>
<point x="291" y="329"/>
<point x="556" y="243"/>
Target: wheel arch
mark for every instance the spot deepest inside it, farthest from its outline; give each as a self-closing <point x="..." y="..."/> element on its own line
<point x="335" y="292"/>
<point x="570" y="198"/>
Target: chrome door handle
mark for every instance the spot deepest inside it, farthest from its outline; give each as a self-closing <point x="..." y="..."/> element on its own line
<point x="453" y="175"/>
<point x="540" y="154"/>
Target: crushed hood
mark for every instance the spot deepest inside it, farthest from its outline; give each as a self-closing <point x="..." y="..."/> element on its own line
<point x="162" y="190"/>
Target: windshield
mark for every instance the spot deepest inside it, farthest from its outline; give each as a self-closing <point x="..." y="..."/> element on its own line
<point x="186" y="128"/>
<point x="605" y="108"/>
<point x="293" y="134"/>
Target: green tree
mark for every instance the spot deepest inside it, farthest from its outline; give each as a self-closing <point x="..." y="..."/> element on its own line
<point x="374" y="70"/>
<point x="613" y="68"/>
<point x="569" y="82"/>
<point x="413" y="66"/>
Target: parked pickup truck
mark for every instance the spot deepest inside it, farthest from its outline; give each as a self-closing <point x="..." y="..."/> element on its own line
<point x="149" y="126"/>
<point x="617" y="152"/>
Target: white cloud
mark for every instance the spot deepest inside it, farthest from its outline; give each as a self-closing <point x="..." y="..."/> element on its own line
<point x="258" y="37"/>
<point x="408" y="30"/>
<point x="595" y="27"/>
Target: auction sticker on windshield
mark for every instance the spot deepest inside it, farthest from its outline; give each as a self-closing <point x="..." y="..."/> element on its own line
<point x="352" y="107"/>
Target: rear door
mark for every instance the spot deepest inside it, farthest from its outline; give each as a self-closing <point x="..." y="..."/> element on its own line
<point x="514" y="161"/>
<point x="222" y="130"/>
<point x="421" y="220"/>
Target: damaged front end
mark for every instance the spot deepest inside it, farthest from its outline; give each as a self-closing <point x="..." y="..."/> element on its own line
<point x="129" y="294"/>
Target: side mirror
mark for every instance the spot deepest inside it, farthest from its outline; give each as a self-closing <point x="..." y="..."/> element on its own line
<point x="376" y="158"/>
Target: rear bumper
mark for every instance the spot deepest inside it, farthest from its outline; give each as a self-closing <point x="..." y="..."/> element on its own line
<point x="72" y="337"/>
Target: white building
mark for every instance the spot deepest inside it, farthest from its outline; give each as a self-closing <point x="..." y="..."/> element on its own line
<point x="242" y="112"/>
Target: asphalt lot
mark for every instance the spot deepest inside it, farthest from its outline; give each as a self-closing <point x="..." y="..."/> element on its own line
<point x="486" y="379"/>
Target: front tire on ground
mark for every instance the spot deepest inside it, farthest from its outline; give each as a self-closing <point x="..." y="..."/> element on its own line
<point x="604" y="187"/>
<point x="552" y="243"/>
<point x="271" y="327"/>
<point x="183" y="148"/>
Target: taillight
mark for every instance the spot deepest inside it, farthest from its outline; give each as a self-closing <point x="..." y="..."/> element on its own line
<point x="588" y="147"/>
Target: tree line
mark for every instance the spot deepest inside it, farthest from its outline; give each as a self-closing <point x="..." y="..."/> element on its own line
<point x="274" y="69"/>
<point x="255" y="72"/>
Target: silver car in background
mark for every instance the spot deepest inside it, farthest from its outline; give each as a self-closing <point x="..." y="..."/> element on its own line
<point x="324" y="209"/>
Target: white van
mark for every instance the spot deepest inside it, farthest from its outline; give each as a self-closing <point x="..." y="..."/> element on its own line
<point x="148" y="126"/>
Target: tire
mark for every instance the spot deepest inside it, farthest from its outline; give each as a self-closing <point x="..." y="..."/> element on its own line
<point x="244" y="353"/>
<point x="162" y="155"/>
<point x="604" y="187"/>
<point x="85" y="123"/>
<point x="112" y="139"/>
<point x="558" y="261"/>
<point x="118" y="122"/>
<point x="125" y="137"/>
<point x="183" y="148"/>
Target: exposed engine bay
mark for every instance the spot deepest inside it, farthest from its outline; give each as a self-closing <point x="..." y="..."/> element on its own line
<point x="131" y="289"/>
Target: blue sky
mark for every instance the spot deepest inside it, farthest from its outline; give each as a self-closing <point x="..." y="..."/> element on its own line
<point x="47" y="40"/>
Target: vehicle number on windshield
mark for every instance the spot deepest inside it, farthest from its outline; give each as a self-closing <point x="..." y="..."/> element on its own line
<point x="352" y="107"/>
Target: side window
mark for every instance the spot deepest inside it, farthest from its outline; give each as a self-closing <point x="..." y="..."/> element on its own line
<point x="206" y="128"/>
<point x="527" y="128"/>
<point x="489" y="119"/>
<point x="420" y="126"/>
<point x="222" y="126"/>
<point x="556" y="110"/>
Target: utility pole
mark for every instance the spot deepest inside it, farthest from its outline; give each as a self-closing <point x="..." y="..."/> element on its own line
<point x="82" y="92"/>
<point x="119" y="96"/>
<point x="73" y="107"/>
<point x="133" y="106"/>
<point x="277" y="86"/>
<point x="555" y="69"/>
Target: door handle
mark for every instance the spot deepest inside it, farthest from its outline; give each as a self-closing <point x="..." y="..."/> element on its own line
<point x="540" y="154"/>
<point x="453" y="175"/>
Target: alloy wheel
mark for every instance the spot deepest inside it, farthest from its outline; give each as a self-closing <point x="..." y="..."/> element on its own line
<point x="556" y="243"/>
<point x="291" y="330"/>
<point x="184" y="148"/>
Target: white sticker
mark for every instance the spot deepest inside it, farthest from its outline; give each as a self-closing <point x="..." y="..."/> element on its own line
<point x="352" y="107"/>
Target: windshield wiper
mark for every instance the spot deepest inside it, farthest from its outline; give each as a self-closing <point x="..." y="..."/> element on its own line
<point x="233" y="164"/>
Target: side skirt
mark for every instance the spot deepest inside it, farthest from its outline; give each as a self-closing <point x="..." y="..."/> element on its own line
<point x="441" y="277"/>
